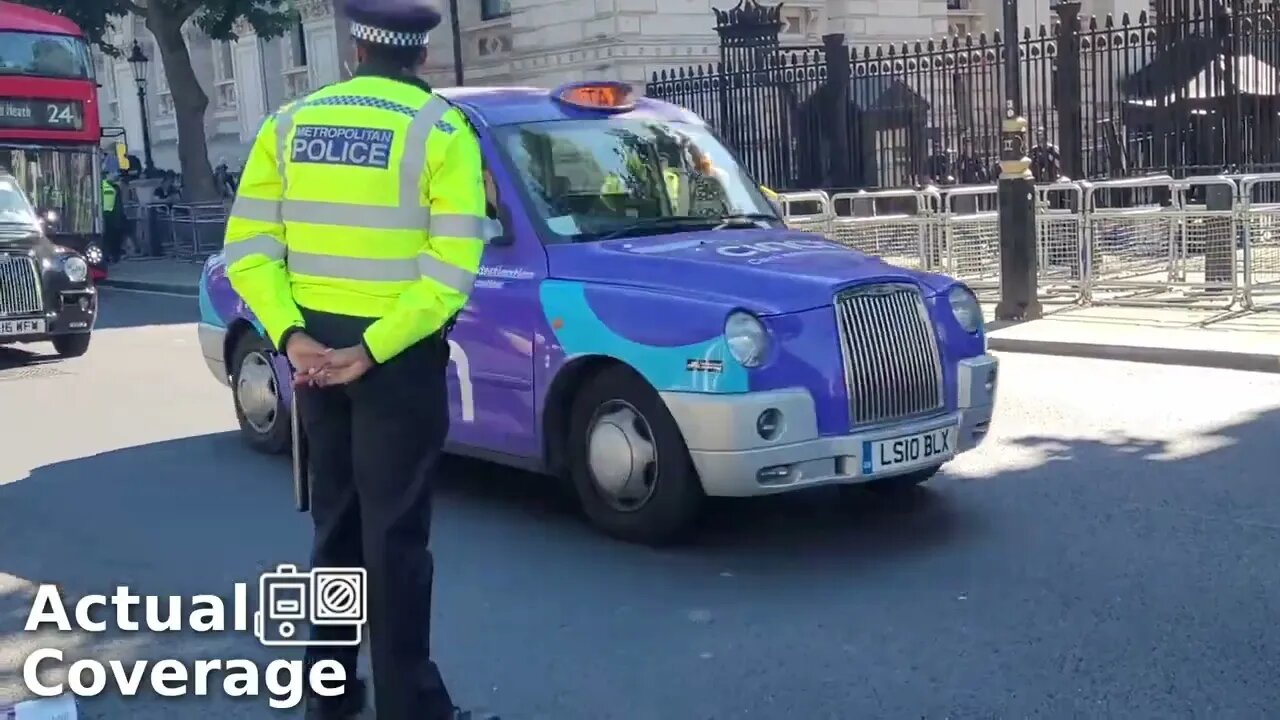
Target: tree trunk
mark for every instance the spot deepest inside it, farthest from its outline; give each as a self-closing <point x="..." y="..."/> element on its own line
<point x="189" y="104"/>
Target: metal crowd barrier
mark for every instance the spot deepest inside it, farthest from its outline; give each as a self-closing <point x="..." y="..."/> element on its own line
<point x="1060" y="250"/>
<point x="898" y="226"/>
<point x="807" y="211"/>
<point x="970" y="236"/>
<point x="1260" y="225"/>
<point x="196" y="229"/>
<point x="1202" y="241"/>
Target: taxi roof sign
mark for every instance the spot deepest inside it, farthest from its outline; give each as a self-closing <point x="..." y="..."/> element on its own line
<point x="605" y="95"/>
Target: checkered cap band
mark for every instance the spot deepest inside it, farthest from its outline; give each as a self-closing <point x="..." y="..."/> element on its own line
<point x="379" y="36"/>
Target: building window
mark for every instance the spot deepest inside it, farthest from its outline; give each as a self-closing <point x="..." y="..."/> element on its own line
<point x="164" y="98"/>
<point x="224" y="77"/>
<point x="297" y="81"/>
<point x="297" y="47"/>
<point x="494" y="9"/>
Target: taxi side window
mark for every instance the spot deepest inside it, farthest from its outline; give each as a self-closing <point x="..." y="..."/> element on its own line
<point x="490" y="196"/>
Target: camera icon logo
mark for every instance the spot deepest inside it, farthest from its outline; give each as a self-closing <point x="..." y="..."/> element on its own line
<point x="288" y="598"/>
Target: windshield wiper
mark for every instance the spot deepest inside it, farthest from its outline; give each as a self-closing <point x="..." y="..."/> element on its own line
<point x="667" y="222"/>
<point x="747" y="219"/>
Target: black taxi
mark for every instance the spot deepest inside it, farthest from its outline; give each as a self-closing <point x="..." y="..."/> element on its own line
<point x="46" y="293"/>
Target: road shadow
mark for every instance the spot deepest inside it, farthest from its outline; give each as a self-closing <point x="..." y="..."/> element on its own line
<point x="21" y="360"/>
<point x="119" y="309"/>
<point x="196" y="515"/>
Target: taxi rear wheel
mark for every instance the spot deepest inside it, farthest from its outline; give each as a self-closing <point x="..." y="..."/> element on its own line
<point x="255" y="390"/>
<point x="628" y="461"/>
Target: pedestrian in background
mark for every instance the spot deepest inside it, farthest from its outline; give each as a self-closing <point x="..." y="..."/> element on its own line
<point x="355" y="238"/>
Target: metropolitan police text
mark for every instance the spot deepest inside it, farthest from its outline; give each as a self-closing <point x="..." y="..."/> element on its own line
<point x="337" y="145"/>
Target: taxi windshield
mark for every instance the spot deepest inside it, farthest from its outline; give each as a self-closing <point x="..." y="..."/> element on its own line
<point x="14" y="208"/>
<point x="599" y="179"/>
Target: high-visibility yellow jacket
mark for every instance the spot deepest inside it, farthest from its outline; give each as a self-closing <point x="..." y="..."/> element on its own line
<point x="108" y="196"/>
<point x="366" y="199"/>
<point x="613" y="185"/>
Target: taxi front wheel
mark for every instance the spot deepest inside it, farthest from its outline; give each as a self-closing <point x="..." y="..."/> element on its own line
<point x="628" y="461"/>
<point x="70" y="346"/>
<point x="255" y="389"/>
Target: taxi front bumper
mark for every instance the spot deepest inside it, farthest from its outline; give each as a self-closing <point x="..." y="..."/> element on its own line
<point x="733" y="460"/>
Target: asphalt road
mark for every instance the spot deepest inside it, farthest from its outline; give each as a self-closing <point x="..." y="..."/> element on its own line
<point x="1109" y="553"/>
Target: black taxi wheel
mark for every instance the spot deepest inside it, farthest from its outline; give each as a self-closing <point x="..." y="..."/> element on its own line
<point x="628" y="461"/>
<point x="69" y="346"/>
<point x="255" y="390"/>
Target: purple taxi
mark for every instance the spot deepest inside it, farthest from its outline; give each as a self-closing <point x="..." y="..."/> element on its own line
<point x="645" y="326"/>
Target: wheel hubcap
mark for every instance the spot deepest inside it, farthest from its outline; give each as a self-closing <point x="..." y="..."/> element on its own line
<point x="257" y="392"/>
<point x="621" y="456"/>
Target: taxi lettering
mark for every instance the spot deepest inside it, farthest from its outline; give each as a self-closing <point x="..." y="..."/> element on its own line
<point x="336" y="145"/>
<point x="772" y="246"/>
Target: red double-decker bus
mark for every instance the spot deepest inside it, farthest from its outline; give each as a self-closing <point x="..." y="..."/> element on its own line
<point x="50" y="132"/>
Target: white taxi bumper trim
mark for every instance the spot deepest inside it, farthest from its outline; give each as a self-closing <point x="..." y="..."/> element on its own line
<point x="728" y="452"/>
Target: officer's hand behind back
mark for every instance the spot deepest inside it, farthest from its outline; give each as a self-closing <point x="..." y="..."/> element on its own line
<point x="307" y="357"/>
<point x="345" y="366"/>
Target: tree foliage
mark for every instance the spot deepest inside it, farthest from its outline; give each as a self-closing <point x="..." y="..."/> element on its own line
<point x="166" y="19"/>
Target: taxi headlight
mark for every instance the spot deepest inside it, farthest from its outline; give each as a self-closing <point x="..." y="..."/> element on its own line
<point x="747" y="338"/>
<point x="966" y="308"/>
<point x="75" y="268"/>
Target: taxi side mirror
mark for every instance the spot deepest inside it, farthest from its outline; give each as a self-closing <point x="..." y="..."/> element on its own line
<point x="496" y="233"/>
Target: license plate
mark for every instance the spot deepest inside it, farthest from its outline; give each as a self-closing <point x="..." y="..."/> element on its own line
<point x="21" y="327"/>
<point x="908" y="450"/>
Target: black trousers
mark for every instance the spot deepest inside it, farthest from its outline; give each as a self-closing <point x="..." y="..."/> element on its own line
<point x="373" y="449"/>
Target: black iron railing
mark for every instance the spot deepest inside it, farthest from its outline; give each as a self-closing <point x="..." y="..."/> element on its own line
<point x="1194" y="91"/>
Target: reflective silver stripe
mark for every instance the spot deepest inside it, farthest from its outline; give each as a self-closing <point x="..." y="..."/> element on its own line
<point x="266" y="245"/>
<point x="370" y="270"/>
<point x="448" y="275"/>
<point x="344" y="268"/>
<point x="284" y="123"/>
<point x="247" y="208"/>
<point x="375" y="217"/>
<point x="414" y="162"/>
<point x="370" y="217"/>
<point x="460" y="226"/>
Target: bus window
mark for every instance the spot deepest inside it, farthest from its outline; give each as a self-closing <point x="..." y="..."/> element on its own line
<point x="44" y="55"/>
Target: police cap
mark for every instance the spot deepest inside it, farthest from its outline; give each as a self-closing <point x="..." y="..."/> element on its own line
<point x="398" y="23"/>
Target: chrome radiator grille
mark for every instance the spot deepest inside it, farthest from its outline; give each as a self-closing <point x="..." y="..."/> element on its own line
<point x="892" y="368"/>
<point x="19" y="285"/>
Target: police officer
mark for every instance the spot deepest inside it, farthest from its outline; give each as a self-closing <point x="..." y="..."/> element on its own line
<point x="112" y="221"/>
<point x="355" y="239"/>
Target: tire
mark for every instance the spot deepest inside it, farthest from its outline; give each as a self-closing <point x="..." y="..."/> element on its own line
<point x="616" y="409"/>
<point x="71" y="346"/>
<point x="265" y="427"/>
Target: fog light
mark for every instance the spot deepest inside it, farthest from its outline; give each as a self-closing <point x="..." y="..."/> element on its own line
<point x="84" y="304"/>
<point x="991" y="380"/>
<point x="773" y="474"/>
<point x="769" y="424"/>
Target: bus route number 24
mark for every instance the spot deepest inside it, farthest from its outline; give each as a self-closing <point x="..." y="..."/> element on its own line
<point x="60" y="114"/>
